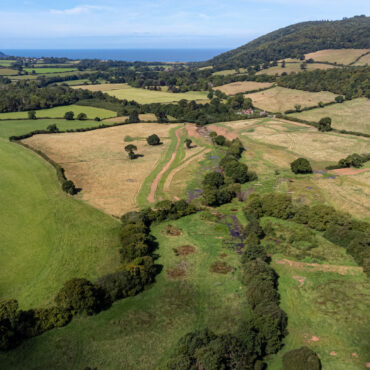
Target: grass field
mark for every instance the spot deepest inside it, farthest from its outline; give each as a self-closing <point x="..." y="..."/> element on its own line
<point x="43" y="231"/>
<point x="6" y="63"/>
<point x="140" y="332"/>
<point x="242" y="87"/>
<point x="47" y="70"/>
<point x="351" y="115"/>
<point x="97" y="162"/>
<point x="340" y="56"/>
<point x="124" y="91"/>
<point x="59" y="112"/>
<point x="280" y="99"/>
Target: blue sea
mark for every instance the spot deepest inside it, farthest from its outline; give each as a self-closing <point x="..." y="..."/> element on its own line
<point x="130" y="55"/>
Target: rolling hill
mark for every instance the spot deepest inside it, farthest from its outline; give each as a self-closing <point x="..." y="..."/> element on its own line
<point x="296" y="40"/>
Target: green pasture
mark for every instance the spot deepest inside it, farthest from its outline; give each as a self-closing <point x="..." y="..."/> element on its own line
<point x="48" y="70"/>
<point x="47" y="236"/>
<point x="6" y="63"/>
<point x="140" y="332"/>
<point x="148" y="96"/>
<point x="59" y="112"/>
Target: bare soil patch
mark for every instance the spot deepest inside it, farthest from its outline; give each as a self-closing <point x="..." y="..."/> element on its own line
<point x="230" y="135"/>
<point x="184" y="250"/>
<point x="179" y="271"/>
<point x="97" y="162"/>
<point x="220" y="267"/>
<point x="173" y="230"/>
<point x="349" y="171"/>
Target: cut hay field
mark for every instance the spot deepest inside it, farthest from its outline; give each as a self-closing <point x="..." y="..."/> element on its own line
<point x="365" y="60"/>
<point x="242" y="87"/>
<point x="8" y="72"/>
<point x="340" y="56"/>
<point x="97" y="162"/>
<point x="48" y="70"/>
<point x="273" y="144"/>
<point x="59" y="112"/>
<point x="44" y="231"/>
<point x="351" y="115"/>
<point x="292" y="67"/>
<point x="280" y="99"/>
<point x="143" y="96"/>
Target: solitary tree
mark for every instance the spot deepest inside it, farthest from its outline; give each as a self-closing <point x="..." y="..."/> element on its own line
<point x="301" y="359"/>
<point x="298" y="107"/>
<point x="301" y="165"/>
<point x="52" y="128"/>
<point x="69" y="115"/>
<point x="82" y="117"/>
<point x="325" y="124"/>
<point x="188" y="143"/>
<point x="153" y="140"/>
<point x="130" y="150"/>
<point x="31" y="114"/>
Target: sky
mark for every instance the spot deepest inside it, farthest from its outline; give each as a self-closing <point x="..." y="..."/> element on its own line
<point x="119" y="24"/>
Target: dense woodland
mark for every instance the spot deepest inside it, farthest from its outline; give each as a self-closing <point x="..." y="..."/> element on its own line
<point x="350" y="82"/>
<point x="296" y="40"/>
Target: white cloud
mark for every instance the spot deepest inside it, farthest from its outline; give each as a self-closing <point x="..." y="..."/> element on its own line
<point x="81" y="9"/>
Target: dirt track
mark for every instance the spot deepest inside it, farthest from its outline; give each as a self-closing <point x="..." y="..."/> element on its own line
<point x="153" y="188"/>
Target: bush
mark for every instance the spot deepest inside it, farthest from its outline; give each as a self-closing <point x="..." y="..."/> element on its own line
<point x="97" y="119"/>
<point x="153" y="140"/>
<point x="69" y="187"/>
<point x="31" y="114"/>
<point x="82" y="117"/>
<point x="78" y="296"/>
<point x="301" y="165"/>
<point x="52" y="128"/>
<point x="120" y="284"/>
<point x="69" y="115"/>
<point x="220" y="140"/>
<point x="301" y="359"/>
<point x="325" y="124"/>
<point x="213" y="179"/>
<point x="339" y="99"/>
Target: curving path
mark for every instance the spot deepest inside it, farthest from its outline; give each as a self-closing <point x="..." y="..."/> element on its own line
<point x="153" y="188"/>
<point x="170" y="177"/>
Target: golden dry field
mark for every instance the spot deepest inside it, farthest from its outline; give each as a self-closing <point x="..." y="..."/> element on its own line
<point x="272" y="144"/>
<point x="340" y="56"/>
<point x="351" y="115"/>
<point x="243" y="86"/>
<point x="97" y="162"/>
<point x="280" y="99"/>
<point x="292" y="67"/>
<point x="365" y="60"/>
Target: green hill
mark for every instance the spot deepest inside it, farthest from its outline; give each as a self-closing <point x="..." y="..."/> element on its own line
<point x="296" y="40"/>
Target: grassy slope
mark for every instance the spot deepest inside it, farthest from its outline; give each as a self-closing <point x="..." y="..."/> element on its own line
<point x="43" y="231"/>
<point x="58" y="112"/>
<point x="139" y="332"/>
<point x="351" y="115"/>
